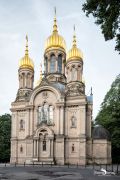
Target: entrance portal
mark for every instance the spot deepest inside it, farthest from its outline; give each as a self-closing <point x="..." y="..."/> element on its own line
<point x="43" y="146"/>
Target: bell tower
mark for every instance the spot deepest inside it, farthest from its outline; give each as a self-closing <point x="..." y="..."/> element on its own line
<point x="26" y="75"/>
<point x="55" y="56"/>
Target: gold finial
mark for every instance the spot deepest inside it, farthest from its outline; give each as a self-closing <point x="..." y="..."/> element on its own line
<point x="55" y="23"/>
<point x="26" y="50"/>
<point x="74" y="38"/>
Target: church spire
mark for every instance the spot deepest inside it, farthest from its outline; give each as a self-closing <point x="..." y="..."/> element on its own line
<point x="26" y="61"/>
<point x="26" y="50"/>
<point x="74" y="52"/>
<point x="55" y="23"/>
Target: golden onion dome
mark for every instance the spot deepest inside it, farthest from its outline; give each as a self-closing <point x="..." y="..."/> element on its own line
<point x="55" y="40"/>
<point x="26" y="61"/>
<point x="74" y="53"/>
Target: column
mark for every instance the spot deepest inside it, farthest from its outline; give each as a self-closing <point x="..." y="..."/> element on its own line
<point x="61" y="119"/>
<point x="59" y="126"/>
<point x="56" y="68"/>
<point x="63" y="67"/>
<point x="25" y="80"/>
<point x="48" y="65"/>
<point x="57" y="117"/>
<point x="33" y="148"/>
<point x="52" y="148"/>
<point x="34" y="155"/>
<point x="37" y="148"/>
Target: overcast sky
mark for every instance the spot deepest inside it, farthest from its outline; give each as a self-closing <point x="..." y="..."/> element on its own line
<point x="35" y="18"/>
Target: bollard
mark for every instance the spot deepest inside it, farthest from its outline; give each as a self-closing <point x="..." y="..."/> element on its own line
<point x="5" y="164"/>
<point x="33" y="164"/>
<point x="112" y="168"/>
<point x="68" y="165"/>
<point x="51" y="164"/>
<point x="24" y="164"/>
<point x="117" y="168"/>
<point x="77" y="165"/>
<point x="42" y="164"/>
<point x="106" y="167"/>
<point x="100" y="166"/>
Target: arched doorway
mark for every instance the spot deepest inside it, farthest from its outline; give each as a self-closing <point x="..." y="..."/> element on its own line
<point x="43" y="146"/>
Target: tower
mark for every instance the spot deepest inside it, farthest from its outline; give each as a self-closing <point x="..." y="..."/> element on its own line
<point x="74" y="69"/>
<point x="26" y="75"/>
<point x="55" y="56"/>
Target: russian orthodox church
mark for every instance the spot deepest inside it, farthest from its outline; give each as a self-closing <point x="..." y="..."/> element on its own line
<point x="51" y="123"/>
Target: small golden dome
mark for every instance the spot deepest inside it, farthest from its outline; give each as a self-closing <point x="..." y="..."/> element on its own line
<point x="74" y="53"/>
<point x="55" y="40"/>
<point x="26" y="61"/>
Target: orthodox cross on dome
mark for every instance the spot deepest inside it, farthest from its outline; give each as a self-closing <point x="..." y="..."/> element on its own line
<point x="26" y="50"/>
<point x="74" y="38"/>
<point x="55" y="22"/>
<point x="55" y="10"/>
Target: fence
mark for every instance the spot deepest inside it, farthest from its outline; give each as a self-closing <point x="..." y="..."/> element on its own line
<point x="112" y="167"/>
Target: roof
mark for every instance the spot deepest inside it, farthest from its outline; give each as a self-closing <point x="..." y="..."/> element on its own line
<point x="100" y="132"/>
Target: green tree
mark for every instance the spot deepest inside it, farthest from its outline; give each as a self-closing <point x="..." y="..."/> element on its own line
<point x="109" y="117"/>
<point x="5" y="133"/>
<point x="107" y="15"/>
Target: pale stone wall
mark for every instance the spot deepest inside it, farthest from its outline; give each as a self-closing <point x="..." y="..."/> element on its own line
<point x="88" y="120"/>
<point x="89" y="149"/>
<point x="100" y="151"/>
<point x="64" y="136"/>
<point x="14" y="151"/>
<point x="59" y="150"/>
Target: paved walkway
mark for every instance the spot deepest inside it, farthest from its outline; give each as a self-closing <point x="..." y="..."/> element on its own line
<point x="50" y="173"/>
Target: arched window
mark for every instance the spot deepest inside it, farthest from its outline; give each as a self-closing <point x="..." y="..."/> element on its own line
<point x="51" y="113"/>
<point x="60" y="63"/>
<point x="45" y="113"/>
<point x="39" y="114"/>
<point x="46" y="64"/>
<point x="52" y="63"/>
<point x="22" y="124"/>
<point x="44" y="145"/>
<point x="73" y="74"/>
<point x="73" y="121"/>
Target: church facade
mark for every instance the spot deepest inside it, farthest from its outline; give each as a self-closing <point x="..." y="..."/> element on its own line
<point x="51" y="123"/>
